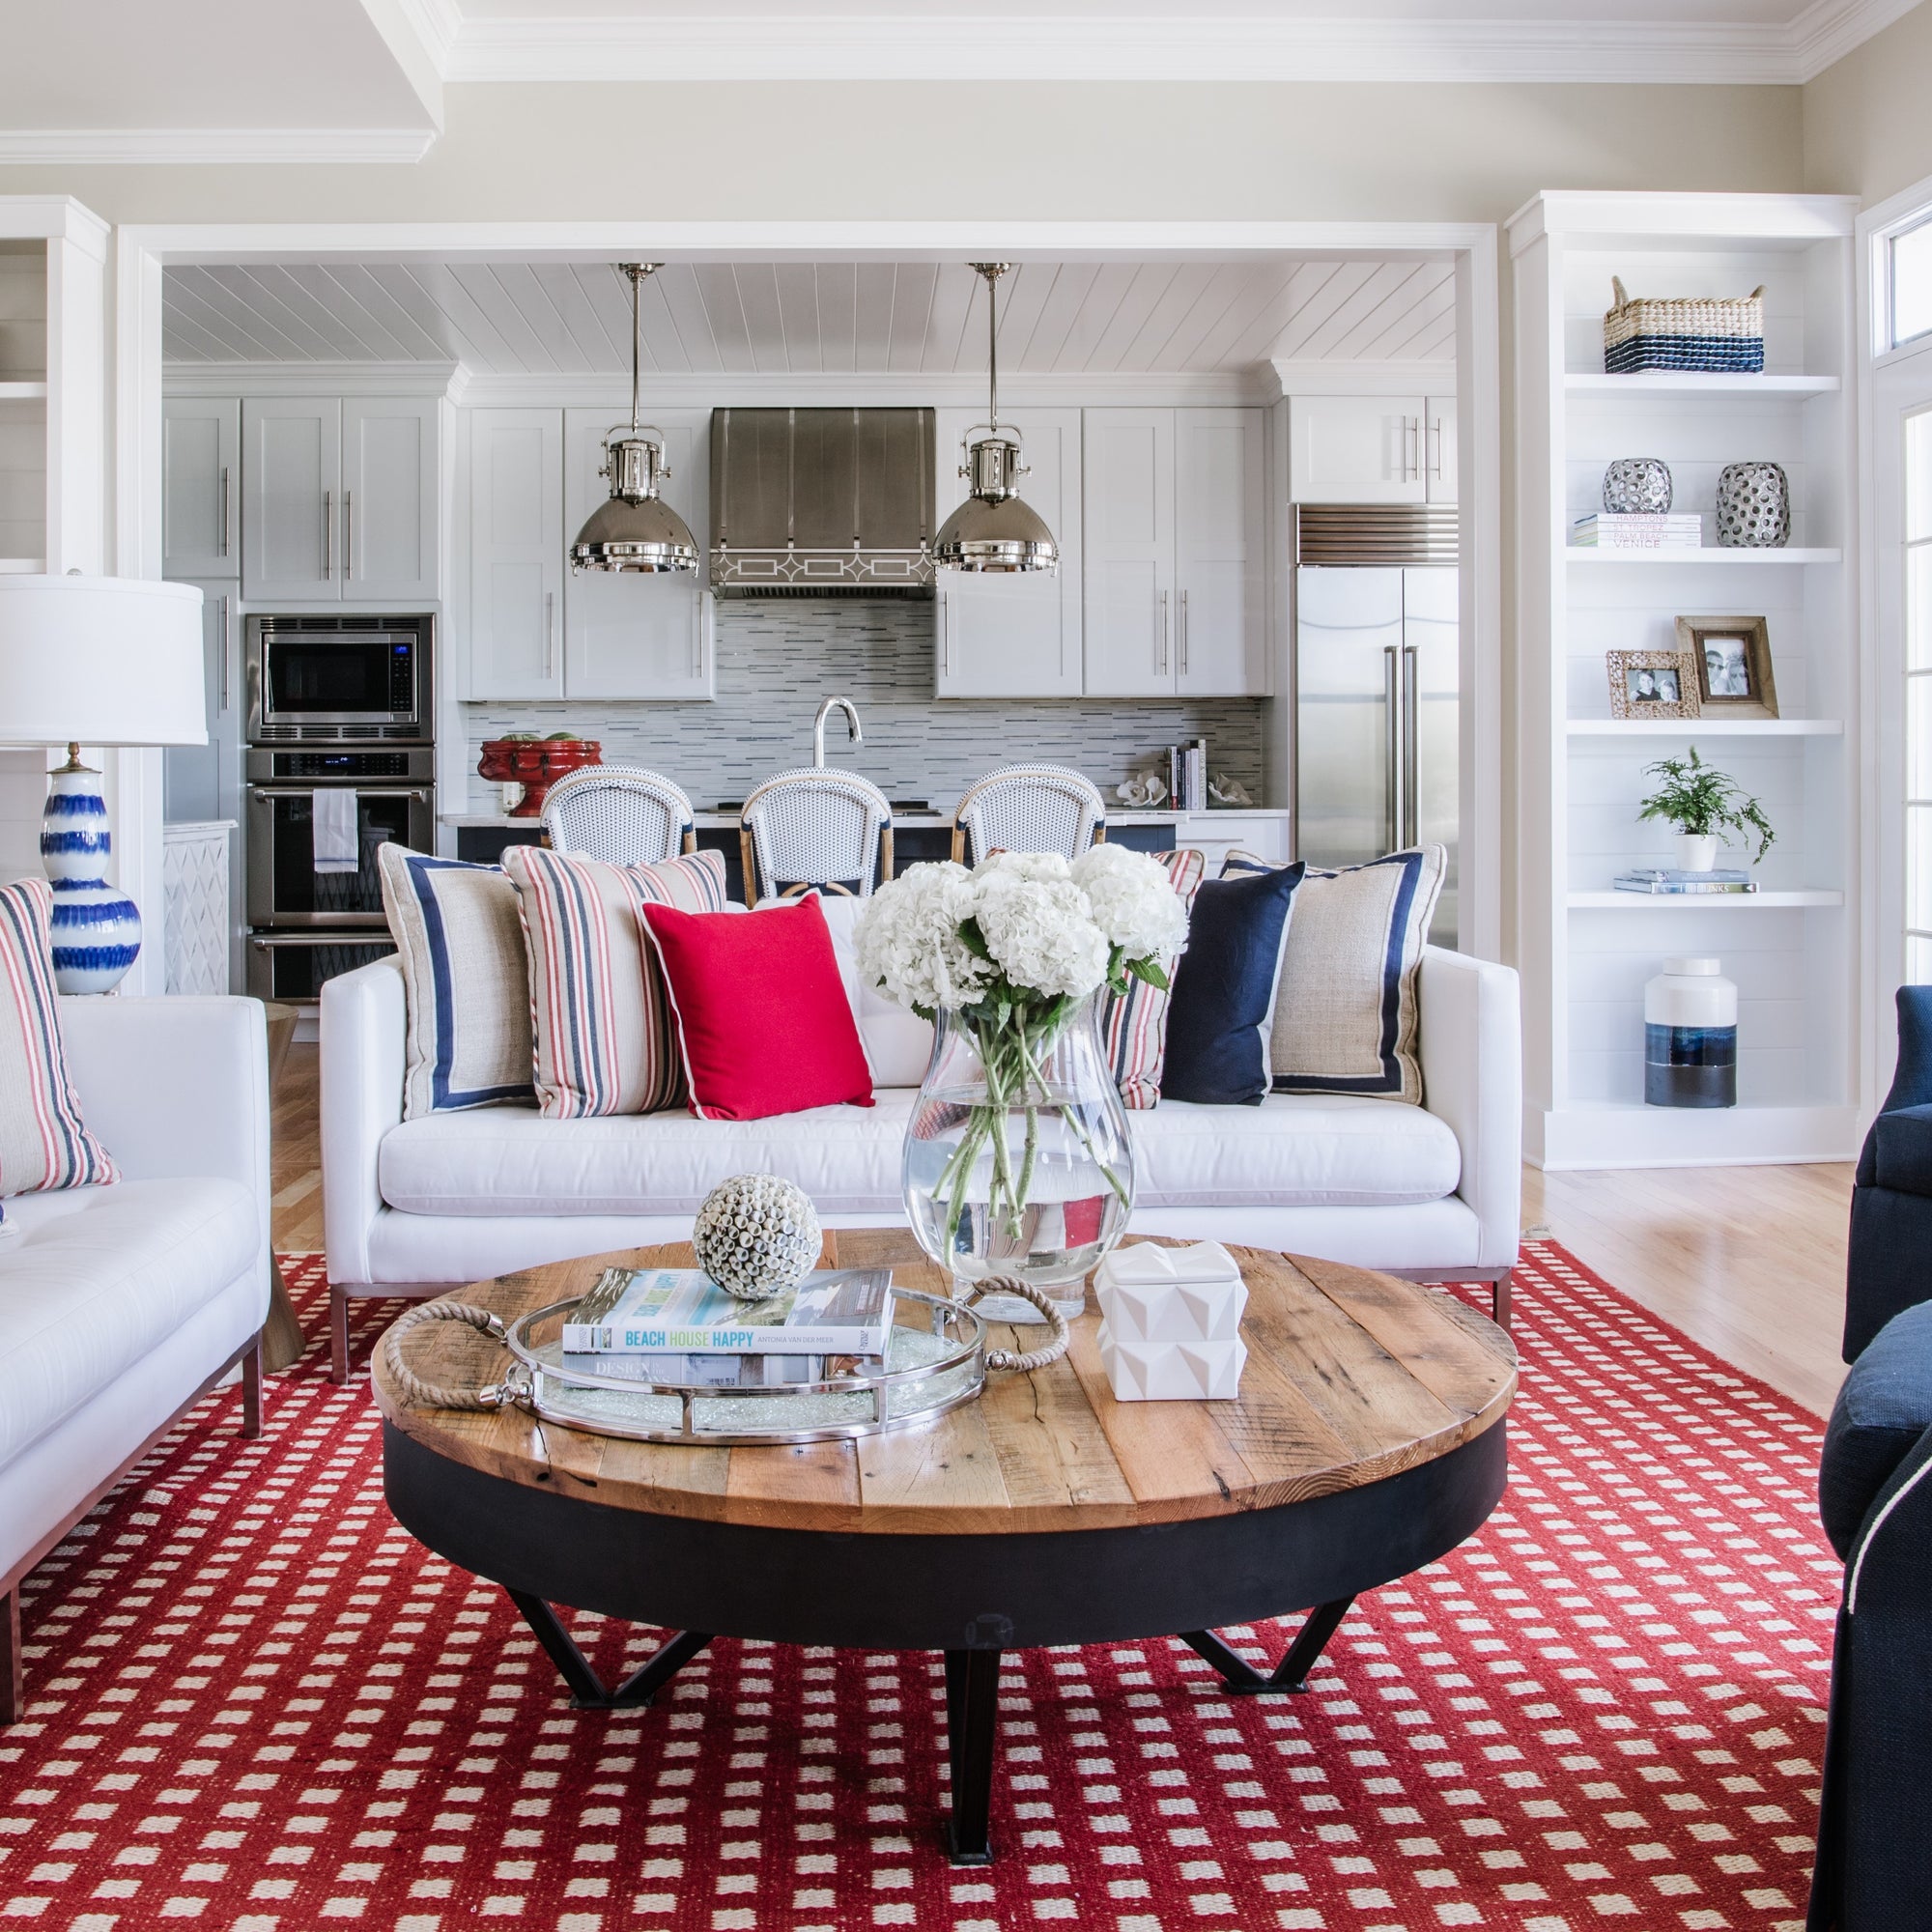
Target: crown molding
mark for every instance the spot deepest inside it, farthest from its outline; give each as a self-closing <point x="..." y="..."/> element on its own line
<point x="210" y="147"/>
<point x="833" y="47"/>
<point x="448" y="380"/>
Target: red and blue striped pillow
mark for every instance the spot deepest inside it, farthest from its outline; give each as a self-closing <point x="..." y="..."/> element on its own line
<point x="44" y="1141"/>
<point x="1133" y="1025"/>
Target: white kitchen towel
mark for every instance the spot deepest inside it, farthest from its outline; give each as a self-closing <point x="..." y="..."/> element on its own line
<point x="332" y="817"/>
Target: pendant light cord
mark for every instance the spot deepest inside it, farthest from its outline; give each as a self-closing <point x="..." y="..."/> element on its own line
<point x="992" y="275"/>
<point x="637" y="270"/>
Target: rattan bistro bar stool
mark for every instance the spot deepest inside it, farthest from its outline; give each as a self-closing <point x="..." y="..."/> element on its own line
<point x="621" y="813"/>
<point x="816" y="826"/>
<point x="1028" y="809"/>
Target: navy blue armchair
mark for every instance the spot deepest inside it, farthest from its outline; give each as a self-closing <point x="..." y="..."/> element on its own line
<point x="1875" y="1496"/>
<point x="1890" y="1266"/>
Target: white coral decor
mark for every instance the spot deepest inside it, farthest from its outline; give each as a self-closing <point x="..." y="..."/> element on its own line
<point x="756" y="1235"/>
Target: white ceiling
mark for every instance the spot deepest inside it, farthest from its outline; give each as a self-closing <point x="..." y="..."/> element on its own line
<point x="525" y="318"/>
<point x="364" y="81"/>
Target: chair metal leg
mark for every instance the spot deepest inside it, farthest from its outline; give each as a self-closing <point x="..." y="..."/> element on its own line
<point x="1289" y="1677"/>
<point x="251" y="1390"/>
<point x="972" y="1712"/>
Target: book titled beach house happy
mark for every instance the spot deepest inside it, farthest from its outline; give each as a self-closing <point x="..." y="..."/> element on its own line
<point x="651" y="1311"/>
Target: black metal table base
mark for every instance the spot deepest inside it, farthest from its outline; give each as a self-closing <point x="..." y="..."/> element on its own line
<point x="1289" y="1677"/>
<point x="972" y="1713"/>
<point x="587" y="1691"/>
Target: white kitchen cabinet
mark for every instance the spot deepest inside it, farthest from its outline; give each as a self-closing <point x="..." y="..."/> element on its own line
<point x="1128" y="504"/>
<point x="635" y="635"/>
<point x="1372" y="449"/>
<point x="1220" y="560"/>
<point x="201" y="481"/>
<point x="292" y="498"/>
<point x="1176" y="511"/>
<point x="340" y="498"/>
<point x="392" y="481"/>
<point x="1007" y="634"/>
<point x="516" y="554"/>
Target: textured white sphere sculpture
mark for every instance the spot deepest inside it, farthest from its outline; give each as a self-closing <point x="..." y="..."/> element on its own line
<point x="756" y="1235"/>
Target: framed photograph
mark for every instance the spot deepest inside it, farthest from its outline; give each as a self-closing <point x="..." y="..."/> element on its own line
<point x="1732" y="659"/>
<point x="1652" y="684"/>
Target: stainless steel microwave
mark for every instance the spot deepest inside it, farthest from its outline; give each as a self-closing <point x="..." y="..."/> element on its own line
<point x="341" y="679"/>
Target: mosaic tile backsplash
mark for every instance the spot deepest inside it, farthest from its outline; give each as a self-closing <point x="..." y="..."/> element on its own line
<point x="776" y="660"/>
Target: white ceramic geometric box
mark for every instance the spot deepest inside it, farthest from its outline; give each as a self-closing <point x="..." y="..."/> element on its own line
<point x="1149" y="1294"/>
<point x="1171" y="1323"/>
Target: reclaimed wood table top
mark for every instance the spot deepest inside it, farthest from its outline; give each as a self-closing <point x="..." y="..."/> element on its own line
<point x="1352" y="1376"/>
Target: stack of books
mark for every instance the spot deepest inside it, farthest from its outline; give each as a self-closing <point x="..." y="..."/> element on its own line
<point x="679" y="1325"/>
<point x="1648" y="880"/>
<point x="1605" y="531"/>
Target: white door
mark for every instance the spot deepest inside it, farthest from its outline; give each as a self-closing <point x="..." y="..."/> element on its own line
<point x="632" y="635"/>
<point x="391" y="478"/>
<point x="1002" y="634"/>
<point x="200" y="461"/>
<point x="1438" y="449"/>
<point x="516" y="553"/>
<point x="292" y="499"/>
<point x="1220" y="618"/>
<point x="1358" y="450"/>
<point x="1127" y="512"/>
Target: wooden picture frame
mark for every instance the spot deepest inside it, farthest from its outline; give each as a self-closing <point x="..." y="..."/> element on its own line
<point x="1733" y="655"/>
<point x="1652" y="684"/>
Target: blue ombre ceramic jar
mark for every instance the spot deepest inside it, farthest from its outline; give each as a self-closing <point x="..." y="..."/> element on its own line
<point x="97" y="929"/>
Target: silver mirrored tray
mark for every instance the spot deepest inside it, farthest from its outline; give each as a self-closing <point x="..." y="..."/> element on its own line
<point x="935" y="1359"/>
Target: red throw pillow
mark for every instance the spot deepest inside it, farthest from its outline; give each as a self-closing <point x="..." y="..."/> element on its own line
<point x="760" y="1010"/>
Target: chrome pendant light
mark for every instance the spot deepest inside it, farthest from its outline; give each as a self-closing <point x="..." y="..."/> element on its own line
<point x="636" y="529"/>
<point x="992" y="529"/>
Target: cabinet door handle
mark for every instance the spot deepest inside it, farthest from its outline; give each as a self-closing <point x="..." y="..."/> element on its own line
<point x="1160" y="664"/>
<point x="222" y="512"/>
<point x="549" y="634"/>
<point x="348" y="535"/>
<point x="945" y="634"/>
<point x="328" y="535"/>
<point x="1184" y="634"/>
<point x="221" y="650"/>
<point x="697" y="636"/>
<point x="1436" y="463"/>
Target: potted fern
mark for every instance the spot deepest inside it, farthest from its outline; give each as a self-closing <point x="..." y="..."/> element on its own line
<point x="1706" y="806"/>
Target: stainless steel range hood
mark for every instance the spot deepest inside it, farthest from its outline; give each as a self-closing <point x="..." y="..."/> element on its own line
<point x="822" y="503"/>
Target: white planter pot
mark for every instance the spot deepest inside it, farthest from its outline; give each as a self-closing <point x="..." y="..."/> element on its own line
<point x="1696" y="852"/>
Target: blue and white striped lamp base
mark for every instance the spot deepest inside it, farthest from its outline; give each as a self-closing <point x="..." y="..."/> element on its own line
<point x="97" y="928"/>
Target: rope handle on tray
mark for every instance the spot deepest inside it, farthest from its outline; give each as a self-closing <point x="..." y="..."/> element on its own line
<point x="1013" y="1358"/>
<point x="429" y="1394"/>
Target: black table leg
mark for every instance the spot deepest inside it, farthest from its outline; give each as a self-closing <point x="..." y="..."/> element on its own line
<point x="1290" y="1674"/>
<point x="586" y="1688"/>
<point x="972" y="1712"/>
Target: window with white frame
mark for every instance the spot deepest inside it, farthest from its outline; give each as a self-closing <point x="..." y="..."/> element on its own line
<point x="1917" y="641"/>
<point x="1909" y="284"/>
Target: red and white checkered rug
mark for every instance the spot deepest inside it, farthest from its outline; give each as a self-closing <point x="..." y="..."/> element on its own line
<point x="257" y="1704"/>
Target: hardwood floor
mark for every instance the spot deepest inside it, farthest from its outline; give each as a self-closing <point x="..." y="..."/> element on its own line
<point x="1748" y="1261"/>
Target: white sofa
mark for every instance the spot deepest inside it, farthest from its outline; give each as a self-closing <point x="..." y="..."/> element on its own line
<point x="412" y="1206"/>
<point x="121" y="1306"/>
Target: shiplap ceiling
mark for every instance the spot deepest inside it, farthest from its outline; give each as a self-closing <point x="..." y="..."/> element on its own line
<point x="525" y="318"/>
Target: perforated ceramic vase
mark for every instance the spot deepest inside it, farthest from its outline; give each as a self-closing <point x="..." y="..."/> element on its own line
<point x="1753" y="506"/>
<point x="1637" y="486"/>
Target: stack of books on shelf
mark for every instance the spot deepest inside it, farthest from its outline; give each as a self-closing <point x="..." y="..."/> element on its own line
<point x="677" y="1326"/>
<point x="1648" y="880"/>
<point x="1605" y="531"/>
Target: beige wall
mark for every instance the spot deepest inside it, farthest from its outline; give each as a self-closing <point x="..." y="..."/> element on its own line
<point x="1868" y="129"/>
<point x="1040" y="151"/>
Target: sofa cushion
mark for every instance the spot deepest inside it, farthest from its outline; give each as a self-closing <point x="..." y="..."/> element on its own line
<point x="99" y="1277"/>
<point x="1292" y="1149"/>
<point x="1902" y="1150"/>
<point x="898" y="1042"/>
<point x="1224" y="988"/>
<point x="1884" y="1407"/>
<point x="1133" y="1025"/>
<point x="44" y="1141"/>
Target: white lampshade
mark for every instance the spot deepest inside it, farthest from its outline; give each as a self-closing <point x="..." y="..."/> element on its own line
<point x="101" y="661"/>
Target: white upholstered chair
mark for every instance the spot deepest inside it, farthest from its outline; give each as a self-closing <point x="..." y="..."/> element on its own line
<point x="816" y="826"/>
<point x="619" y="812"/>
<point x="1028" y="809"/>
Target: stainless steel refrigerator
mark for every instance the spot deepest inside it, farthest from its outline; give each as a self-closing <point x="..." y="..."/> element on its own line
<point x="1375" y="687"/>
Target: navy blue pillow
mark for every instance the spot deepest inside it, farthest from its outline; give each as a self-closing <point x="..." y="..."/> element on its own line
<point x="1217" y="1019"/>
<point x="1884" y="1407"/>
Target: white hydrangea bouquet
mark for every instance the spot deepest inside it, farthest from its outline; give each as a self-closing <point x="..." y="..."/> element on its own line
<point x="1006" y="954"/>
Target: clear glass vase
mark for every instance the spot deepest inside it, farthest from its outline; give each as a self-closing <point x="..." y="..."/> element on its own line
<point x="1017" y="1156"/>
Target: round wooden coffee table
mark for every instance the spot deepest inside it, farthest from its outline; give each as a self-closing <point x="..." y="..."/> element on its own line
<point x="1367" y="1442"/>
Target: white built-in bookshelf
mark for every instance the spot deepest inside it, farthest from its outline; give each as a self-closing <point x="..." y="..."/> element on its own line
<point x="1586" y="951"/>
